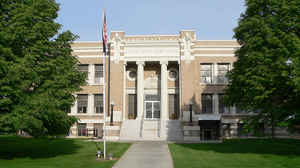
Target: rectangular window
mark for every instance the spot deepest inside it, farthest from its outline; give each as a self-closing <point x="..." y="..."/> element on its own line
<point x="207" y="103"/>
<point x="81" y="129"/>
<point x="98" y="103"/>
<point x="222" y="108"/>
<point x="84" y="68"/>
<point x="206" y="73"/>
<point x="173" y="106"/>
<point x="82" y="103"/>
<point x="98" y="73"/>
<point x="132" y="106"/>
<point x="223" y="68"/>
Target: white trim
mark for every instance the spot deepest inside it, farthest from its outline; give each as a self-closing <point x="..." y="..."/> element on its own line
<point x="217" y="40"/>
<point x="213" y="49"/>
<point x="153" y="35"/>
<point x="214" y="55"/>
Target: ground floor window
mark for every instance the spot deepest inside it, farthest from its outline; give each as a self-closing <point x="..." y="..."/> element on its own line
<point x="82" y="129"/>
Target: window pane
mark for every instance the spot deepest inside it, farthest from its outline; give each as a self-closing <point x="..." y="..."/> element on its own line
<point x="82" y="103"/>
<point x="98" y="103"/>
<point x="206" y="73"/>
<point x="83" y="67"/>
<point x="206" y="100"/>
<point x="98" y="71"/>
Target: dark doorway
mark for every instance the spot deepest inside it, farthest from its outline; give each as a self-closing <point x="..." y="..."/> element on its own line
<point x="209" y="130"/>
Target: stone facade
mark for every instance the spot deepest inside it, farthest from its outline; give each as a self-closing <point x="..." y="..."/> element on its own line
<point x="154" y="79"/>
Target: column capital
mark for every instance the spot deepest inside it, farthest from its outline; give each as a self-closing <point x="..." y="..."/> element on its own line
<point x="163" y="62"/>
<point x="140" y="63"/>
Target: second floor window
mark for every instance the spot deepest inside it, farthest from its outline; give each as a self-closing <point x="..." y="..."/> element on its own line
<point x="98" y="103"/>
<point x="84" y="68"/>
<point x="98" y="73"/>
<point x="206" y="73"/>
<point x="207" y="103"/>
<point x="82" y="103"/>
<point x="223" y="68"/>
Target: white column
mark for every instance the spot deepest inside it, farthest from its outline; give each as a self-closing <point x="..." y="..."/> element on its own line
<point x="164" y="97"/>
<point x="233" y="110"/>
<point x="90" y="104"/>
<point x="124" y="90"/>
<point x="215" y="103"/>
<point x="74" y="107"/>
<point x="215" y="73"/>
<point x="90" y="69"/>
<point x="140" y="89"/>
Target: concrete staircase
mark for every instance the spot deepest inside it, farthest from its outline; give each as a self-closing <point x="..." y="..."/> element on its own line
<point x="174" y="131"/>
<point x="130" y="130"/>
<point x="151" y="130"/>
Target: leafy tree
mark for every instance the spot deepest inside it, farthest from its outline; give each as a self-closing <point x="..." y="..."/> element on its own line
<point x="38" y="74"/>
<point x="265" y="75"/>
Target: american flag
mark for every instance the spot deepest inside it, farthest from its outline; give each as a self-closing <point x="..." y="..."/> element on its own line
<point x="104" y="33"/>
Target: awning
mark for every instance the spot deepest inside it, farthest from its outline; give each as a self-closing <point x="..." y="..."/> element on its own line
<point x="212" y="117"/>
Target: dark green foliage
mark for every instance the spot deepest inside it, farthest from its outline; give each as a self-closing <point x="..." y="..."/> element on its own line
<point x="38" y="74"/>
<point x="265" y="76"/>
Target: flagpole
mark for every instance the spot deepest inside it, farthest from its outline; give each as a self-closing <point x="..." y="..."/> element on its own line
<point x="104" y="107"/>
<point x="104" y="90"/>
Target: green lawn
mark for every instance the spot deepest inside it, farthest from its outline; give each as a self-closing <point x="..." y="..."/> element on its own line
<point x="16" y="152"/>
<point x="236" y="153"/>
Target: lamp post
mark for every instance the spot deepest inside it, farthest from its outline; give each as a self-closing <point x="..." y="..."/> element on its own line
<point x="191" y="112"/>
<point x="112" y="113"/>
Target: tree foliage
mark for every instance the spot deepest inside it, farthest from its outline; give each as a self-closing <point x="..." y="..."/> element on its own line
<point x="38" y="74"/>
<point x="265" y="77"/>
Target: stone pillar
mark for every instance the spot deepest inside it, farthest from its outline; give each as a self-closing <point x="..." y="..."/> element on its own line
<point x="74" y="107"/>
<point x="164" y="97"/>
<point x="140" y="89"/>
<point x="215" y="103"/>
<point x="233" y="110"/>
<point x="215" y="73"/>
<point x="91" y="74"/>
<point x="90" y="104"/>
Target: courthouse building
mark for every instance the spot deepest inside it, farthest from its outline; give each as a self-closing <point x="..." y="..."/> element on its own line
<point x="154" y="83"/>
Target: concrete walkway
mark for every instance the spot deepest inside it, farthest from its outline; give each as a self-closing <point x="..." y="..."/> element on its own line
<point x="146" y="155"/>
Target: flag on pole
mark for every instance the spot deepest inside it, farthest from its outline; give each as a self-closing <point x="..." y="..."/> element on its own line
<point x="104" y="43"/>
<point x="104" y="34"/>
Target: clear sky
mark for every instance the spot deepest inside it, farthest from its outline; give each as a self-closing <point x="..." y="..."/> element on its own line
<point x="212" y="19"/>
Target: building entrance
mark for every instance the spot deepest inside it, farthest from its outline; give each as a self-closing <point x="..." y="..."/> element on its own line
<point x="152" y="107"/>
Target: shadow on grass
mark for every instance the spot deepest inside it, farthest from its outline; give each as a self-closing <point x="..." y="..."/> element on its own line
<point x="282" y="147"/>
<point x="17" y="147"/>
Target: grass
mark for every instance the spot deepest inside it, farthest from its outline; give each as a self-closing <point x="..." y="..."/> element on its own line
<point x="246" y="153"/>
<point x="17" y="152"/>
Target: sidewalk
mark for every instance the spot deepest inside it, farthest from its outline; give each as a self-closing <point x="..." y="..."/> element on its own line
<point x="146" y="155"/>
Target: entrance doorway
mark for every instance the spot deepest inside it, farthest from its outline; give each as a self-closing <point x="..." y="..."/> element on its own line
<point x="152" y="107"/>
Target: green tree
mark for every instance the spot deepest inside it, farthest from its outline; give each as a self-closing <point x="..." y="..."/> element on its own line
<point x="38" y="74"/>
<point x="264" y="77"/>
